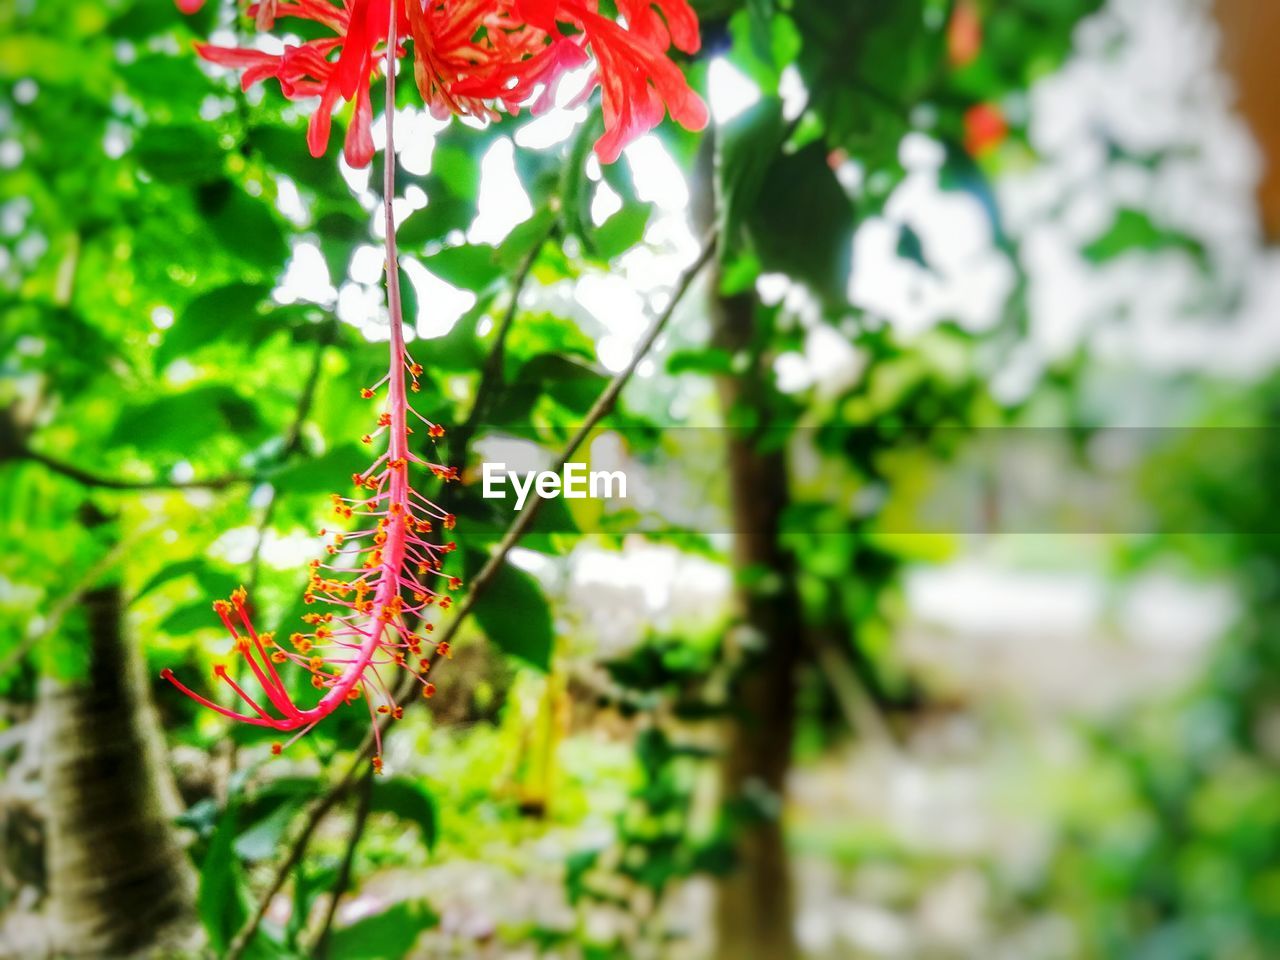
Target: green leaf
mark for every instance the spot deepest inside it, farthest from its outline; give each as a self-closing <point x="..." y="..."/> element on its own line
<point x="261" y="839"/>
<point x="284" y="149"/>
<point x="622" y="231"/>
<point x="910" y="247"/>
<point x="409" y="308"/>
<point x="246" y="226"/>
<point x="706" y="360"/>
<point x="188" y="619"/>
<point x="225" y="313"/>
<point x="1133" y="231"/>
<point x="576" y="188"/>
<point x="764" y="42"/>
<point x="538" y="333"/>
<point x="176" y="422"/>
<point x="141" y="20"/>
<point x="329" y="473"/>
<point x="389" y="934"/>
<point x="29" y="55"/>
<point x="802" y="223"/>
<point x="457" y="169"/>
<point x="744" y="153"/>
<point x="169" y="81"/>
<point x="566" y="379"/>
<point x="180" y="154"/>
<point x="221" y="900"/>
<point x="339" y="233"/>
<point x="172" y="572"/>
<point x="409" y="801"/>
<point x="452" y="187"/>
<point x="525" y="237"/>
<point x="514" y="614"/>
<point x="466" y="266"/>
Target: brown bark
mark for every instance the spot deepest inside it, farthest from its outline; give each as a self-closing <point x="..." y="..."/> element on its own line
<point x="120" y="884"/>
<point x="755" y="907"/>
<point x="1250" y="32"/>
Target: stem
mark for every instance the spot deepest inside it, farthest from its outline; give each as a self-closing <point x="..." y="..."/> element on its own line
<point x="398" y="448"/>
<point x="87" y="479"/>
<point x="343" y="879"/>
<point x="491" y="375"/>
<point x="315" y="813"/>
<point x="397" y="407"/>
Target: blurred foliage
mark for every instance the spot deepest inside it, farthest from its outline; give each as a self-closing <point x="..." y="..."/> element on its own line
<point x="152" y="218"/>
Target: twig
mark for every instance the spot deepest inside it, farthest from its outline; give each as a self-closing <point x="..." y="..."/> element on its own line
<point x="603" y="404"/>
<point x="321" y="947"/>
<point x="292" y="443"/>
<point x="319" y="808"/>
<point x="491" y="375"/>
<point x="89" y="479"/>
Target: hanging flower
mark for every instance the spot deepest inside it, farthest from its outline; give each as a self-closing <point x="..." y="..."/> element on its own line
<point x="479" y="58"/>
<point x="371" y="591"/>
<point x="340" y="67"/>
<point x="472" y="57"/>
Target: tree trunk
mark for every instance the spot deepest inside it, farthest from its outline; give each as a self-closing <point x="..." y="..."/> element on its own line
<point x="755" y="909"/>
<point x="120" y="884"/>
<point x="1250" y="30"/>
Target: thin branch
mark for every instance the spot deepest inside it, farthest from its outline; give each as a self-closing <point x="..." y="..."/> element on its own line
<point x="292" y="443"/>
<point x="321" y="947"/>
<point x="88" y="479"/>
<point x="316" y="812"/>
<point x="491" y="375"/>
<point x="603" y="404"/>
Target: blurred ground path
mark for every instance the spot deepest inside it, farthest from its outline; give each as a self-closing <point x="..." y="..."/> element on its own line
<point x="921" y="852"/>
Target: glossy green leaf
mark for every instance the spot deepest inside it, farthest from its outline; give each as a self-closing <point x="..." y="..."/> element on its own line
<point x="389" y="934"/>
<point x="514" y="614"/>
<point x="408" y="800"/>
<point x="622" y="231"/>
<point x="222" y="900"/>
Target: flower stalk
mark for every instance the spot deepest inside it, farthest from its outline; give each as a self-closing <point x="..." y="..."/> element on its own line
<point x="381" y="577"/>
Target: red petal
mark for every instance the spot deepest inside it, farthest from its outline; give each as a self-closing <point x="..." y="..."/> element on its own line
<point x="321" y="122"/>
<point x="235" y="57"/>
<point x="683" y="24"/>
<point x="358" y="147"/>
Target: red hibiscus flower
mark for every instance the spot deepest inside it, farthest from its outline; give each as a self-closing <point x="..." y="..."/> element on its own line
<point x="964" y="34"/>
<point x="476" y="57"/>
<point x="985" y="128"/>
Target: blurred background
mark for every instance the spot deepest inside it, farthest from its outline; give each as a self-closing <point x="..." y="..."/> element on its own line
<point x="922" y="687"/>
